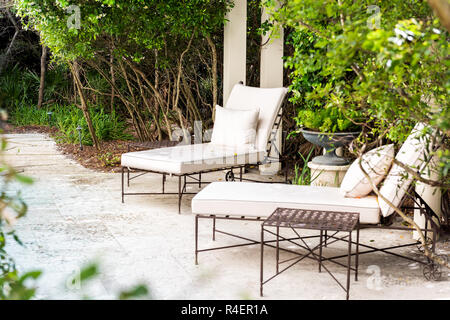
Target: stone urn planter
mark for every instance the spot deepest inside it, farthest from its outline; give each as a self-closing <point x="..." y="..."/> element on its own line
<point x="330" y="142"/>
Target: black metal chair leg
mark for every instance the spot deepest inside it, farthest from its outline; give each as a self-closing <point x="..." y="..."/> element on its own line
<point x="123" y="169"/>
<point x="180" y="194"/>
<point x="196" y="239"/>
<point x="214" y="229"/>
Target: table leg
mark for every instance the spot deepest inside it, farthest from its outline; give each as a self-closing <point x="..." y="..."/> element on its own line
<point x="349" y="262"/>
<point x="320" y="251"/>
<point x="357" y="253"/>
<point x="261" y="271"/>
<point x="278" y="250"/>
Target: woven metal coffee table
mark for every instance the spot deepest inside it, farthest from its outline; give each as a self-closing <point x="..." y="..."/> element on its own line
<point x="323" y="221"/>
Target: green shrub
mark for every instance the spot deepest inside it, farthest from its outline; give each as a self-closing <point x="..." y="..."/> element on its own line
<point x="109" y="160"/>
<point x="303" y="175"/>
<point x="29" y="116"/>
<point x="17" y="87"/>
<point x="107" y="126"/>
<point x="325" y="120"/>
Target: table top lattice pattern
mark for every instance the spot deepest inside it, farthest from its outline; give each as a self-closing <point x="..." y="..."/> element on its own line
<point x="312" y="219"/>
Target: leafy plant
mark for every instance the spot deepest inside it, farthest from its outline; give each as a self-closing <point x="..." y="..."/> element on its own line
<point x="303" y="176"/>
<point x="109" y="160"/>
<point x="392" y="68"/>
<point x="19" y="87"/>
<point x="25" y="115"/>
<point x="91" y="271"/>
<point x="107" y="126"/>
<point x="325" y="120"/>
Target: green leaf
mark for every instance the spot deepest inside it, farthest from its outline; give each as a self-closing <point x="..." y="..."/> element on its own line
<point x="23" y="179"/>
<point x="136" y="292"/>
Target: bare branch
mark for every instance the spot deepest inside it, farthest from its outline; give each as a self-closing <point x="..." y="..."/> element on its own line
<point x="419" y="177"/>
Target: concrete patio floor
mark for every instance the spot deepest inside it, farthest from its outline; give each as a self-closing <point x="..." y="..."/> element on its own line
<point x="76" y="216"/>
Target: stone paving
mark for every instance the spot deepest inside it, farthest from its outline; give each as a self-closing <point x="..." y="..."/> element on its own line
<point x="76" y="217"/>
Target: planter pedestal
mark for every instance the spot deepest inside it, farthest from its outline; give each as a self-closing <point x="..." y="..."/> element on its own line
<point x="326" y="175"/>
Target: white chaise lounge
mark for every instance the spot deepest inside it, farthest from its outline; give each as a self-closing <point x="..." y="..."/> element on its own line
<point x="185" y="161"/>
<point x="257" y="201"/>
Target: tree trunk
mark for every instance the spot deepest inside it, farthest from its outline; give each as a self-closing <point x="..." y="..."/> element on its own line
<point x="42" y="81"/>
<point x="177" y="88"/>
<point x="214" y="73"/>
<point x="113" y="80"/>
<point x="84" y="108"/>
<point x="442" y="9"/>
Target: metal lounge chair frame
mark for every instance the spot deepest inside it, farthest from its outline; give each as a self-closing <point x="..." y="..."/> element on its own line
<point x="431" y="270"/>
<point x="196" y="177"/>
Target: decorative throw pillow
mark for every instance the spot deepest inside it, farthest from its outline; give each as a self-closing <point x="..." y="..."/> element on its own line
<point x="234" y="127"/>
<point x="376" y="163"/>
<point x="397" y="182"/>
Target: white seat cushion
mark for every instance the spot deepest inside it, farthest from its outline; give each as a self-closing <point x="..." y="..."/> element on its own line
<point x="261" y="199"/>
<point x="191" y="158"/>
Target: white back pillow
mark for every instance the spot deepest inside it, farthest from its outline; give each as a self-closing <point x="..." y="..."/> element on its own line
<point x="397" y="182"/>
<point x="376" y="163"/>
<point x="234" y="127"/>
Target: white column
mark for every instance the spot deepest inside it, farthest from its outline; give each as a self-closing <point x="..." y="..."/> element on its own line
<point x="235" y="48"/>
<point x="272" y="77"/>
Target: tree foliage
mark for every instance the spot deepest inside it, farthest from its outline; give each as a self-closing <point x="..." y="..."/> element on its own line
<point x="158" y="57"/>
<point x="135" y="26"/>
<point x="385" y="61"/>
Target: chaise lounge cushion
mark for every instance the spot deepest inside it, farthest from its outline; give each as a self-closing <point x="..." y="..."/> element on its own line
<point x="261" y="199"/>
<point x="191" y="158"/>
